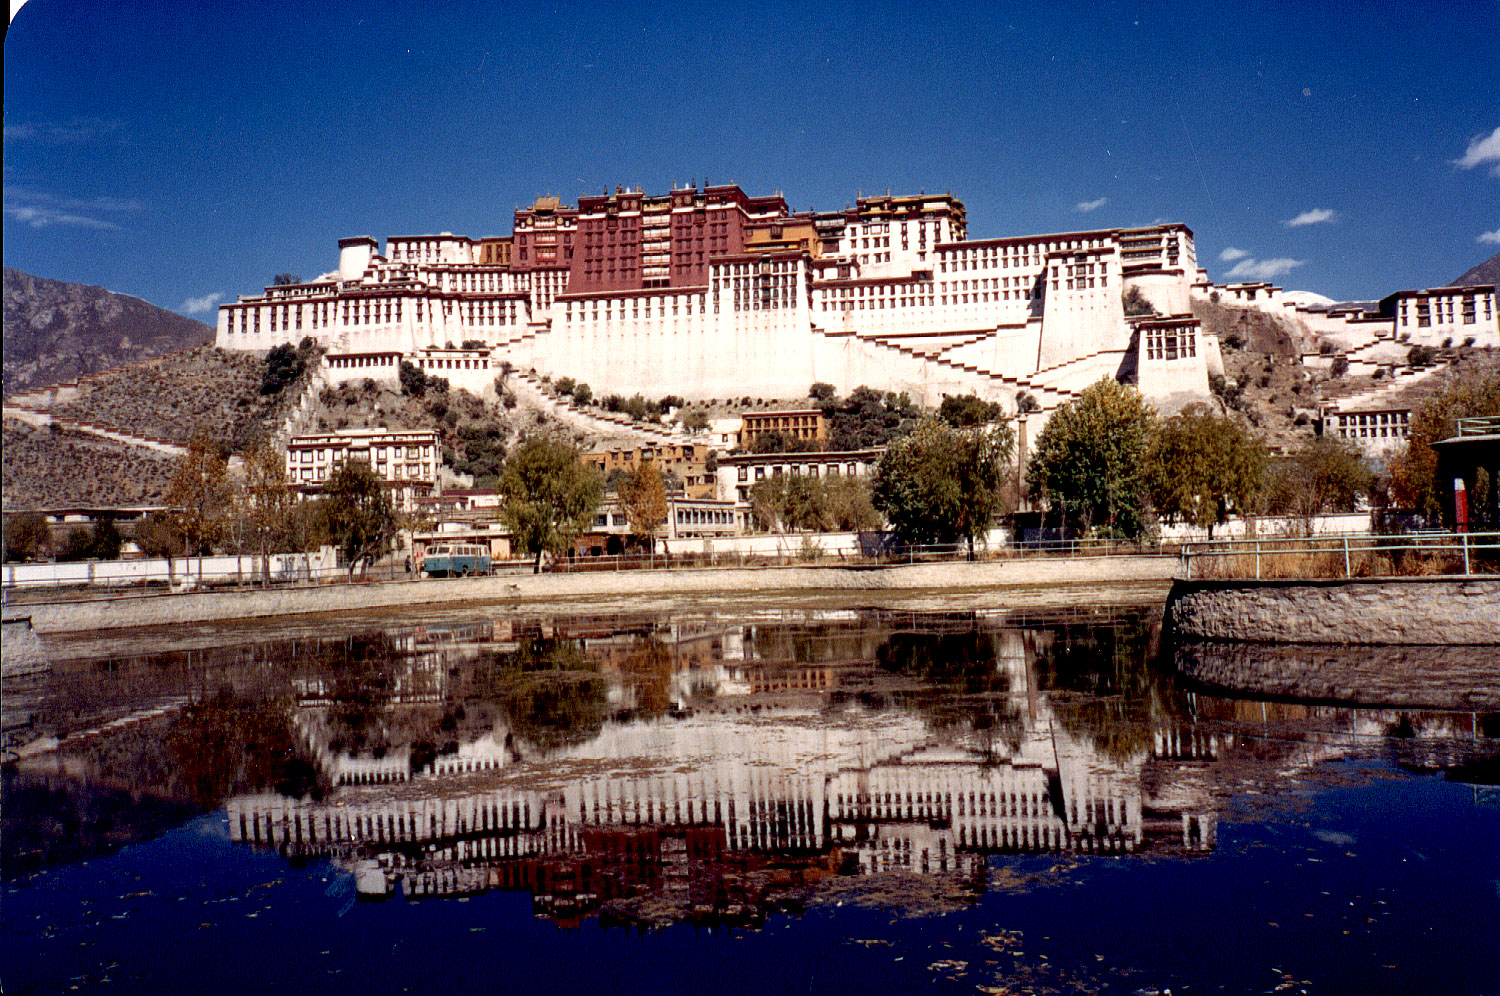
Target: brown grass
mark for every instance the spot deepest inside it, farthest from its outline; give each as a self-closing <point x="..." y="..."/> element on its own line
<point x="170" y="397"/>
<point x="1325" y="559"/>
<point x="54" y="468"/>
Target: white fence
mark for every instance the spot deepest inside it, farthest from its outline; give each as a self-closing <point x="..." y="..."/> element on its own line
<point x="181" y="572"/>
<point x="1350" y="523"/>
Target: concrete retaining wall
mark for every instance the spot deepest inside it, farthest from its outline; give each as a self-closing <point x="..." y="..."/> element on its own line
<point x="1403" y="611"/>
<point x="1464" y="678"/>
<point x="176" y="609"/>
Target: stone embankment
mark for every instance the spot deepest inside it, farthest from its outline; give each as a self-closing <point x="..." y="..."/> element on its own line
<point x="87" y="615"/>
<point x="1462" y="678"/>
<point x="1392" y="611"/>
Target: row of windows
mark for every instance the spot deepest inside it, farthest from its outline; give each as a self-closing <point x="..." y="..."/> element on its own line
<point x="757" y="423"/>
<point x="452" y="363"/>
<point x="359" y="362"/>
<point x="1376" y="418"/>
<point x="656" y="307"/>
<point x="488" y="313"/>
<point x="1441" y="310"/>
<point x="322" y="455"/>
<point x="398" y="472"/>
<point x="1170" y="344"/>
<point x="798" y="470"/>
<point x="1372" y="432"/>
<point x="704" y="516"/>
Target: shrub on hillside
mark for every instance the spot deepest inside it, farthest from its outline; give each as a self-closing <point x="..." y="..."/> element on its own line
<point x="283" y="366"/>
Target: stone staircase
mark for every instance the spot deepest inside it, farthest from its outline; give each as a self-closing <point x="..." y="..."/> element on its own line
<point x="1375" y="397"/>
<point x="41" y="417"/>
<point x="304" y="410"/>
<point x="1047" y="396"/>
<point x="590" y="421"/>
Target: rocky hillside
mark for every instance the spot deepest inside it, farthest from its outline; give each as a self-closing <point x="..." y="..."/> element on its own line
<point x="171" y="397"/>
<point x="474" y="435"/>
<point x="57" y="467"/>
<point x="56" y="331"/>
<point x="1487" y="272"/>
<point x="1251" y="329"/>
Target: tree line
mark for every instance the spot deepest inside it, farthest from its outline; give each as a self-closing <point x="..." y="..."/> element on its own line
<point x="1106" y="464"/>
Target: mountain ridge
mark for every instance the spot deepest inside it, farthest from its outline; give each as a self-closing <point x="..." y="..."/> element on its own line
<point x="57" y="331"/>
<point x="1487" y="272"/>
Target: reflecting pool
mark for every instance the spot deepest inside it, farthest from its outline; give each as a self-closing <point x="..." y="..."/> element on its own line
<point x="766" y="801"/>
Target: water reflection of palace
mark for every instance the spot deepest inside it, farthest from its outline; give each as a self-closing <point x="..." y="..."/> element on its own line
<point x="767" y="766"/>
<point x="707" y="768"/>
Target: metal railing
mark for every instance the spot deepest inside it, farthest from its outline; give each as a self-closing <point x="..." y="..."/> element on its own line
<point x="1325" y="556"/>
<point x="1479" y="425"/>
<point x="116" y="579"/>
<point x="1345" y="555"/>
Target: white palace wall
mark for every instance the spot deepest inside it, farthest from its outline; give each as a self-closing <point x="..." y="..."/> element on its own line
<point x="998" y="318"/>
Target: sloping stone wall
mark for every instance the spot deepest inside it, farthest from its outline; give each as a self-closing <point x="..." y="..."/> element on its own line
<point x="1463" y="678"/>
<point x="1401" y="611"/>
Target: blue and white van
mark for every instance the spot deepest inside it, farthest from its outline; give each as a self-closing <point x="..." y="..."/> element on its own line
<point x="456" y="560"/>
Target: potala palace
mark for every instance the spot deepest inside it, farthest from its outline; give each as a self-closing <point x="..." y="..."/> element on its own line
<point x="711" y="293"/>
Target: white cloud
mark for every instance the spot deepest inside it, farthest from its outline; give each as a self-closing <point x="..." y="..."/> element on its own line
<point x="37" y="208"/>
<point x="1314" y="217"/>
<point x="1482" y="149"/>
<point x="1084" y="207"/>
<point x="1489" y="238"/>
<point x="75" y="131"/>
<point x="43" y="217"/>
<point x="199" y="305"/>
<point x="1264" y="269"/>
<point x="1231" y="254"/>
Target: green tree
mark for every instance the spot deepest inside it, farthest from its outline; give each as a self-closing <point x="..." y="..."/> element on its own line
<point x="99" y="542"/>
<point x="265" y="501"/>
<point x="413" y="380"/>
<point x="963" y="410"/>
<point x="360" y="516"/>
<point x="200" y="495"/>
<point x="868" y="418"/>
<point x="307" y="525"/>
<point x="27" y="537"/>
<point x="550" y="496"/>
<point x="1323" y="475"/>
<point x="695" y="420"/>
<point x="777" y="441"/>
<point x="787" y="502"/>
<point x="483" y="453"/>
<point x="583" y="394"/>
<point x="158" y="535"/>
<point x="283" y="366"/>
<point x="1090" y="461"/>
<point x="643" y="497"/>
<point x="76" y="546"/>
<point x="285" y="279"/>
<point x="848" y="504"/>
<point x="105" y="540"/>
<point x="941" y="484"/>
<point x="1204" y="465"/>
<point x="1414" y="482"/>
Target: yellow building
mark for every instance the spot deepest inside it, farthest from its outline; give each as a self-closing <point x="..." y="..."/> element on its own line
<point x="803" y="423"/>
<point x="686" y="461"/>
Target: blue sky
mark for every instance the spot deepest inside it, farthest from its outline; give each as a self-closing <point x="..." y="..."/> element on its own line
<point x="187" y="152"/>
